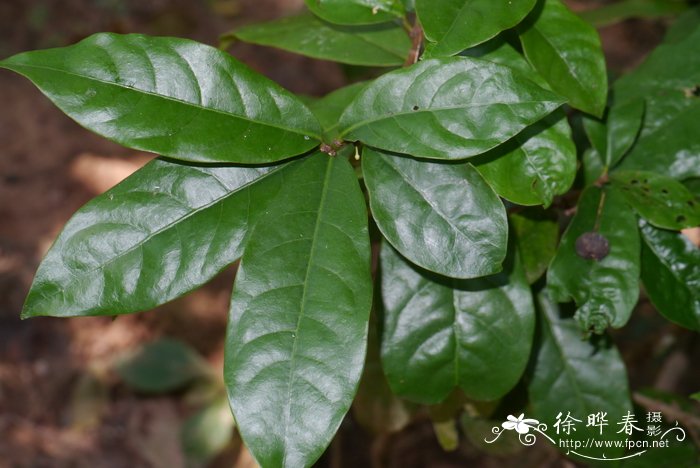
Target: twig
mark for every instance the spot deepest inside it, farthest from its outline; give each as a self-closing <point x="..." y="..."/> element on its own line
<point x="690" y="421"/>
<point x="416" y="35"/>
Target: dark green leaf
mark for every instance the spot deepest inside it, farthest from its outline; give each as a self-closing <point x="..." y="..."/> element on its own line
<point x="441" y="334"/>
<point x="535" y="166"/>
<point x="449" y="108"/>
<point x="297" y="334"/>
<point x="329" y="108"/>
<point x="173" y="97"/>
<point x="536" y="235"/>
<point x="605" y="290"/>
<point x="454" y="25"/>
<point x="443" y="217"/>
<point x="159" y="234"/>
<point x="593" y="167"/>
<point x="162" y="366"/>
<point x="624" y="123"/>
<point x="207" y="432"/>
<point x="597" y="133"/>
<point x="499" y="50"/>
<point x="377" y="45"/>
<point x="356" y="11"/>
<point x="659" y="199"/>
<point x="684" y="26"/>
<point x="668" y="81"/>
<point x="577" y="376"/>
<point x="566" y="51"/>
<point x="671" y="275"/>
<point x="626" y="9"/>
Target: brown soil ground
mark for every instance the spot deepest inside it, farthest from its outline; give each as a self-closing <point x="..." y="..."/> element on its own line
<point x="49" y="167"/>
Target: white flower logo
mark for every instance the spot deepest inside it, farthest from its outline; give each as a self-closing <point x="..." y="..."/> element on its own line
<point x="521" y="425"/>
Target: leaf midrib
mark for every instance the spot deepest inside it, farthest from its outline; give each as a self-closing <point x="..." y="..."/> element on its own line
<point x="302" y="307"/>
<point x="432" y="111"/>
<point x="199" y="107"/>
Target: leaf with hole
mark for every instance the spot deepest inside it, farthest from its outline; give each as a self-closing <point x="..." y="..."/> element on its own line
<point x="297" y="332"/>
<point x="605" y="290"/>
<point x="380" y="45"/>
<point x="442" y="334"/>
<point x="447" y="108"/>
<point x="659" y="199"/>
<point x="173" y="97"/>
<point x="442" y="217"/>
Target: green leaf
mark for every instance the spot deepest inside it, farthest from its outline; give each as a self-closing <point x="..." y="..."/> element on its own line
<point x="597" y="133"/>
<point x="356" y="11"/>
<point x="499" y="50"/>
<point x="454" y="25"/>
<point x="593" y="167"/>
<point x="536" y="235"/>
<point x="684" y="26"/>
<point x="579" y="376"/>
<point x="605" y="290"/>
<point x="566" y="51"/>
<point x="535" y="166"/>
<point x="162" y="366"/>
<point x="671" y="275"/>
<point x="667" y="81"/>
<point x="626" y="9"/>
<point x="298" y="329"/>
<point x="442" y="217"/>
<point x="162" y="232"/>
<point x="173" y="97"/>
<point x="624" y="123"/>
<point x="207" y="432"/>
<point x="329" y="108"/>
<point x="381" y="45"/>
<point x="448" y="108"/>
<point x="661" y="200"/>
<point x="441" y="334"/>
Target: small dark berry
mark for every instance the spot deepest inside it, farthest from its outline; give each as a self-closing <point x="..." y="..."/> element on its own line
<point x="592" y="246"/>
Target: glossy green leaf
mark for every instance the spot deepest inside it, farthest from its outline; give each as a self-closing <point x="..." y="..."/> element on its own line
<point x="448" y="108"/>
<point x="597" y="133"/>
<point x="625" y="9"/>
<point x="454" y="25"/>
<point x="376" y="45"/>
<point x="593" y="167"/>
<point x="356" y="11"/>
<point x="441" y="334"/>
<point x="535" y="166"/>
<point x="297" y="334"/>
<point x="566" y="51"/>
<point x="659" y="199"/>
<point x="499" y="50"/>
<point x="164" y="231"/>
<point x="442" y="217"/>
<point x="162" y="366"/>
<point x="605" y="290"/>
<point x="329" y="108"/>
<point x="173" y="97"/>
<point x="667" y="81"/>
<point x="536" y="235"/>
<point x="207" y="432"/>
<point x="576" y="376"/>
<point x="671" y="275"/>
<point x="624" y="123"/>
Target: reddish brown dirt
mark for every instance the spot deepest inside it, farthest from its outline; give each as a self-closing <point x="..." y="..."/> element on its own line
<point x="49" y="167"/>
